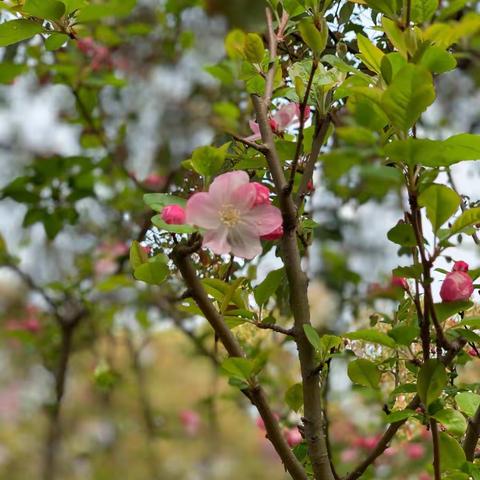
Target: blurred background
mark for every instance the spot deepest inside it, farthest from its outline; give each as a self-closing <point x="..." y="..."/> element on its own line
<point x="101" y="377"/>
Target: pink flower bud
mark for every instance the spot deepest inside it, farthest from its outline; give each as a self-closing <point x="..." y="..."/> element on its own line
<point x="293" y="437"/>
<point x="86" y="45"/>
<point x="456" y="286"/>
<point x="173" y="215"/>
<point x="191" y="421"/>
<point x="275" y="235"/>
<point x="263" y="194"/>
<point x="399" y="282"/>
<point x="154" y="180"/>
<point x="415" y="451"/>
<point x="460" y="266"/>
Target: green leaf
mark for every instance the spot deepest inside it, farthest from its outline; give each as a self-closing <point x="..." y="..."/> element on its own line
<point x="399" y="416"/>
<point x="327" y="343"/>
<point x="395" y="35"/>
<point x="451" y="453"/>
<point x="158" y="221"/>
<point x="473" y="322"/>
<point x="154" y="272"/>
<point x="468" y="402"/>
<point x="18" y="30"/>
<point x="316" y="39"/>
<point x="404" y="334"/>
<point x="435" y="153"/>
<point x="254" y="49"/>
<point x="370" y="55"/>
<point x="466" y="219"/>
<point x="389" y="7"/>
<point x="313" y="337"/>
<point x="423" y="10"/>
<point x="432" y="379"/>
<point x="402" y="234"/>
<point x="138" y="256"/>
<point x="56" y="41"/>
<point x="49" y="9"/>
<point x="364" y="372"/>
<point x="157" y="201"/>
<point x="208" y="160"/>
<point x="372" y="336"/>
<point x="269" y="286"/>
<point x="235" y="44"/>
<point x="412" y="271"/>
<point x="452" y="420"/>
<point x="438" y="60"/>
<point x="440" y="202"/>
<point x="408" y="96"/>
<point x="9" y="71"/>
<point x="294" y="397"/>
<point x="239" y="368"/>
<point x="112" y="8"/>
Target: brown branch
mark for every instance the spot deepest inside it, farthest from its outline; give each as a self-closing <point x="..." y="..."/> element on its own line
<point x="436" y="449"/>
<point x="303" y="107"/>
<point x="180" y="256"/>
<point x="298" y="284"/>
<point x="276" y="328"/>
<point x="309" y="166"/>
<point x="256" y="146"/>
<point x="471" y="436"/>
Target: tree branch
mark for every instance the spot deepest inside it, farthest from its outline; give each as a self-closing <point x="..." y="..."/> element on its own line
<point x="471" y="436"/>
<point x="436" y="449"/>
<point x="180" y="256"/>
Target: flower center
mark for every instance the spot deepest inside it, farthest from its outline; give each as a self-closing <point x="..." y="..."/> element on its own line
<point x="229" y="215"/>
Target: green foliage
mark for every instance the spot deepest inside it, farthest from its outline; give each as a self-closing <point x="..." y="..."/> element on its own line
<point x="49" y="9"/>
<point x="408" y="96"/>
<point x="16" y="31"/>
<point x="153" y="272"/>
<point x="451" y="453"/>
<point x="432" y="379"/>
<point x="269" y="286"/>
<point x="207" y="161"/>
<point x="364" y="372"/>
<point x="440" y="202"/>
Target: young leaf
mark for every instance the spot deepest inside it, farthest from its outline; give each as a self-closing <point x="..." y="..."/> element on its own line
<point x="138" y="256"/>
<point x="452" y="420"/>
<point x="239" y="368"/>
<point x="316" y="39"/>
<point x="423" y="10"/>
<point x="432" y="379"/>
<point x="294" y="397"/>
<point x="371" y="335"/>
<point x="451" y="453"/>
<point x="364" y="372"/>
<point x="17" y="30"/>
<point x="269" y="286"/>
<point x="313" y="337"/>
<point x="440" y="202"/>
<point x="207" y="160"/>
<point x="402" y="234"/>
<point x="370" y="55"/>
<point x="254" y="49"/>
<point x="49" y="9"/>
<point x="408" y="96"/>
<point x="468" y="402"/>
<point x="466" y="219"/>
<point x="153" y="272"/>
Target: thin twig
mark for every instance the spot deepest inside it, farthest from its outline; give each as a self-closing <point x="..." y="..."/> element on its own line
<point x="257" y="146"/>
<point x="436" y="449"/>
<point x="472" y="435"/>
<point x="276" y="328"/>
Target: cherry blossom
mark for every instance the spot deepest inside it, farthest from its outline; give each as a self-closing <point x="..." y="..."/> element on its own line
<point x="232" y="220"/>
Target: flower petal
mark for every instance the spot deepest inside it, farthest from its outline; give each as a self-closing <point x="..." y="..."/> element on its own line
<point x="216" y="240"/>
<point x="224" y="185"/>
<point x="244" y="241"/>
<point x="202" y="210"/>
<point x="243" y="198"/>
<point x="265" y="218"/>
<point x="286" y="115"/>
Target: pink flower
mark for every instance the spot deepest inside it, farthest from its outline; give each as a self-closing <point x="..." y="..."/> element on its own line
<point x="285" y="117"/>
<point x="263" y="194"/>
<point x="349" y="455"/>
<point x="173" y="215"/>
<point x="275" y="235"/>
<point x="399" y="282"/>
<point x="456" y="286"/>
<point x="191" y="421"/>
<point x="293" y="437"/>
<point x="119" y="249"/>
<point x="472" y="352"/>
<point x="424" y="476"/>
<point x="415" y="451"/>
<point x="460" y="266"/>
<point x="86" y="45"/>
<point x="228" y="213"/>
<point x="154" y="180"/>
<point x="367" y="442"/>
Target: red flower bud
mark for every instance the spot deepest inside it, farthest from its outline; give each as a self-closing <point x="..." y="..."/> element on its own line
<point x="457" y="286"/>
<point x="263" y="194"/>
<point x="460" y="266"/>
<point x="173" y="215"/>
